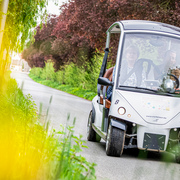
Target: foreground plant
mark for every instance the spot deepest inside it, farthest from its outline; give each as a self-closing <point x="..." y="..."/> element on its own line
<point x="70" y="164"/>
<point x="29" y="151"/>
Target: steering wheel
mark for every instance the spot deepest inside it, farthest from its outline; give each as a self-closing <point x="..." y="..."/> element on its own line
<point x="138" y="69"/>
<point x="176" y="79"/>
<point x="139" y="65"/>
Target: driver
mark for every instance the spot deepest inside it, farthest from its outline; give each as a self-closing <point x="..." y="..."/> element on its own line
<point x="131" y="56"/>
<point x="170" y="58"/>
<point x="170" y="64"/>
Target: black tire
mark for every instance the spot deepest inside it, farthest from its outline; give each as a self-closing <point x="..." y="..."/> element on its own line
<point x="91" y="134"/>
<point x="115" y="141"/>
<point x="177" y="159"/>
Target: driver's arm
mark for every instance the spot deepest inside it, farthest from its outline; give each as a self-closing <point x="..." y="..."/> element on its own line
<point x="177" y="72"/>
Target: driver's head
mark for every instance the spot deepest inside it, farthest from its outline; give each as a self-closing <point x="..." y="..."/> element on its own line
<point x="131" y="54"/>
<point x="170" y="58"/>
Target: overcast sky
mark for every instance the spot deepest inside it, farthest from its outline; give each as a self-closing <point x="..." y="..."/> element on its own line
<point x="52" y="8"/>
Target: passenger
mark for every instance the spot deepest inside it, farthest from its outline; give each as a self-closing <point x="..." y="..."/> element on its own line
<point x="131" y="56"/>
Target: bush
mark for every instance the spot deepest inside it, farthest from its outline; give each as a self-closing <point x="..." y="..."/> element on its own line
<point x="92" y="73"/>
<point x="37" y="71"/>
<point x="60" y="77"/>
<point x="82" y="80"/>
<point x="74" y="75"/>
<point x="48" y="72"/>
<point x="84" y="77"/>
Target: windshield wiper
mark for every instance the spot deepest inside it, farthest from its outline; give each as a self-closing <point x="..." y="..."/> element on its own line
<point x="153" y="90"/>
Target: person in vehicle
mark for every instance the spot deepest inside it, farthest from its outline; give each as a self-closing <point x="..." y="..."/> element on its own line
<point x="169" y="65"/>
<point x="129" y="76"/>
<point x="131" y="55"/>
<point x="170" y="59"/>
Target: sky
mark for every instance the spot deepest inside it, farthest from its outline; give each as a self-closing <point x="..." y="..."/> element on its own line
<point x="52" y="8"/>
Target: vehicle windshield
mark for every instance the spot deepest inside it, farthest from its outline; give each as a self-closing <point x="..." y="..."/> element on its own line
<point x="147" y="58"/>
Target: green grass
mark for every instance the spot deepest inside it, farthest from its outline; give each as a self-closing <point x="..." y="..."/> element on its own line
<point x="77" y="91"/>
<point x="29" y="150"/>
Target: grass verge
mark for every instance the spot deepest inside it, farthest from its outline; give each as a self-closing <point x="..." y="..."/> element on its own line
<point x="77" y="91"/>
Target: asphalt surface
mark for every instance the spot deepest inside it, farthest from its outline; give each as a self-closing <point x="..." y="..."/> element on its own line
<point x="128" y="167"/>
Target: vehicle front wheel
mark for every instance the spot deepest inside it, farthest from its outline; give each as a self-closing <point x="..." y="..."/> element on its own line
<point x="177" y="153"/>
<point x="115" y="141"/>
<point x="91" y="134"/>
<point x="177" y="158"/>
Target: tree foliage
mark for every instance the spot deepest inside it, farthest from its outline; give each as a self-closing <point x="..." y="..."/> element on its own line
<point x="40" y="50"/>
<point x="80" y="29"/>
<point x="21" y="18"/>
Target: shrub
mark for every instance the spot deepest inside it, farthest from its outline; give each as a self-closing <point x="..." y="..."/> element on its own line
<point x="37" y="71"/>
<point x="48" y="71"/>
<point x="84" y="77"/>
<point x="74" y="75"/>
<point x="92" y="73"/>
<point x="60" y="77"/>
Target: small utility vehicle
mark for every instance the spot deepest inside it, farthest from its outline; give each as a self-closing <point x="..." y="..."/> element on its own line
<point x="144" y="110"/>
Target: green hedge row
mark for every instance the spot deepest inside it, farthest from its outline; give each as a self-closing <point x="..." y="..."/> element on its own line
<point x="81" y="79"/>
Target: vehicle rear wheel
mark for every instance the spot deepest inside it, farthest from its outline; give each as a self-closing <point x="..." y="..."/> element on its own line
<point x="115" y="141"/>
<point x="91" y="134"/>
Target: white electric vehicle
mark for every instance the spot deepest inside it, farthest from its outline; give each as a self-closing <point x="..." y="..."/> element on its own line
<point x="144" y="110"/>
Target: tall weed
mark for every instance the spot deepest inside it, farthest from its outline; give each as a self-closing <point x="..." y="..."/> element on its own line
<point x="29" y="151"/>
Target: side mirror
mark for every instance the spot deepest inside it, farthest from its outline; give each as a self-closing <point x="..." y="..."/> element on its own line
<point x="105" y="81"/>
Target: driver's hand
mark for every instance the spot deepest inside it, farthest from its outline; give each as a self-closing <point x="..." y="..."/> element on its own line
<point x="177" y="73"/>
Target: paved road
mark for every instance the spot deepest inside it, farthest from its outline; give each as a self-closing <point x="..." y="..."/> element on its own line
<point x="127" y="167"/>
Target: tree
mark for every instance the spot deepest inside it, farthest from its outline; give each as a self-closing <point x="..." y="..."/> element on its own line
<point x="80" y="30"/>
<point x="42" y="44"/>
<point x="21" y="18"/>
<point x="85" y="22"/>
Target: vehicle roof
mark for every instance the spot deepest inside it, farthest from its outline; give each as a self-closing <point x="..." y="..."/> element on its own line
<point x="149" y="25"/>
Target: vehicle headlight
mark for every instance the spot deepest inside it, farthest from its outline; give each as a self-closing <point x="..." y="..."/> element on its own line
<point x="121" y="110"/>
